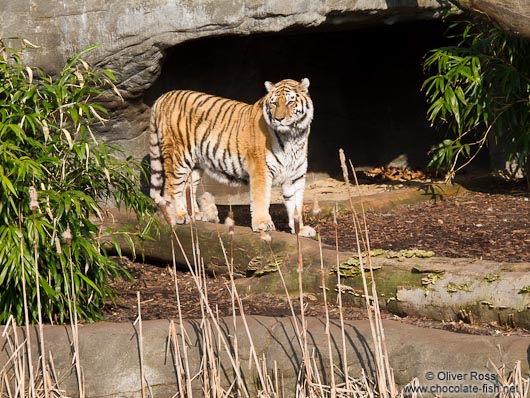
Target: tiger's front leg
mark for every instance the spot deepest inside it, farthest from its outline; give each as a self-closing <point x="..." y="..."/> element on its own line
<point x="260" y="199"/>
<point x="293" y="197"/>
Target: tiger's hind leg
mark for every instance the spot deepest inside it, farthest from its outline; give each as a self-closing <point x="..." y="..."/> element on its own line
<point x="195" y="177"/>
<point x="204" y="208"/>
<point x="175" y="193"/>
<point x="208" y="209"/>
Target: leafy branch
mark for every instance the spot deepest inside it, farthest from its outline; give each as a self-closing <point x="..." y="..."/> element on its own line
<point x="55" y="178"/>
<point x="479" y="89"/>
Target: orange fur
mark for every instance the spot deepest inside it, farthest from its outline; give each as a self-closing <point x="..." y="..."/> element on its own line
<point x="262" y="144"/>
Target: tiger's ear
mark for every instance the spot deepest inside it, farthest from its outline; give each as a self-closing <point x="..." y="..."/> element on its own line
<point x="269" y="86"/>
<point x="304" y="84"/>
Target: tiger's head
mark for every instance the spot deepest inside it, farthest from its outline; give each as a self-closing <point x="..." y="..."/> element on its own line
<point x="287" y="106"/>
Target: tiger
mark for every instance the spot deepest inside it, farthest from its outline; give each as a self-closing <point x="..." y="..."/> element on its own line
<point x="261" y="144"/>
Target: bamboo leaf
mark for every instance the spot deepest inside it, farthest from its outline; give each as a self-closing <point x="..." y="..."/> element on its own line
<point x="46" y="141"/>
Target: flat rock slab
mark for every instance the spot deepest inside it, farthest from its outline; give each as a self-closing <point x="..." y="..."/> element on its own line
<point x="109" y="353"/>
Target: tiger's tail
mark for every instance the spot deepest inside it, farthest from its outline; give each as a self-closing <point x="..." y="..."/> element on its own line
<point x="157" y="168"/>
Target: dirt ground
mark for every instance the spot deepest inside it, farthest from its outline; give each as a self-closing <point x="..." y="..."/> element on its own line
<point x="491" y="221"/>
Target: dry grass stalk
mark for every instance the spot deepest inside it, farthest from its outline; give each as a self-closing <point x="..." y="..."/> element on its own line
<point x="385" y="377"/>
<point x="14" y="382"/>
<point x="139" y="336"/>
<point x="236" y="299"/>
<point x="189" y="201"/>
<point x="26" y="319"/>
<point x="209" y="325"/>
<point x="512" y="384"/>
<point x="34" y="204"/>
<point x="180" y="360"/>
<point x="72" y="309"/>
<point x="339" y="300"/>
<point x="333" y="392"/>
<point x="307" y="368"/>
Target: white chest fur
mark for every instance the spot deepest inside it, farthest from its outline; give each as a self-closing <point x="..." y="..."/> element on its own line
<point x="288" y="158"/>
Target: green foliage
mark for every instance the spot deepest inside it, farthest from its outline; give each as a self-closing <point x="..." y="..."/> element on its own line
<point x="54" y="177"/>
<point x="480" y="90"/>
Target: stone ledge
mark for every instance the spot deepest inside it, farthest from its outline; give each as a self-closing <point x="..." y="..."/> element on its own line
<point x="109" y="353"/>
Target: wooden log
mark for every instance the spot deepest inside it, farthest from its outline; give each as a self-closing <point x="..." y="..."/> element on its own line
<point x="246" y="250"/>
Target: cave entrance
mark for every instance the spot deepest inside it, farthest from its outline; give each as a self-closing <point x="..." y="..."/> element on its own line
<point x="365" y="85"/>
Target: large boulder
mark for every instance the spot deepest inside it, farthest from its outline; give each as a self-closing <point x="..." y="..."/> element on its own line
<point x="511" y="16"/>
<point x="134" y="36"/>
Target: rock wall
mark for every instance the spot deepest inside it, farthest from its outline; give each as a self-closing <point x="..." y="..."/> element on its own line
<point x="137" y="37"/>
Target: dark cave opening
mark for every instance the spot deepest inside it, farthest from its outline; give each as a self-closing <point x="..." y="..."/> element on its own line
<point x="365" y="85"/>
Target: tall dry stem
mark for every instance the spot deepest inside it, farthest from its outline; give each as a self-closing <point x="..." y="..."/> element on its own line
<point x="377" y="310"/>
<point x="209" y="318"/>
<point x="34" y="206"/>
<point x="140" y="337"/>
<point x="385" y="378"/>
<point x="26" y="320"/>
<point x="339" y="301"/>
<point x="236" y="299"/>
<point x="327" y="331"/>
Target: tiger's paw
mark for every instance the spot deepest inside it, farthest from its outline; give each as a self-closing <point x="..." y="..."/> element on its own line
<point x="207" y="209"/>
<point x="159" y="200"/>
<point x="307" y="232"/>
<point x="185" y="219"/>
<point x="207" y="217"/>
<point x="262" y="224"/>
<point x="181" y="216"/>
